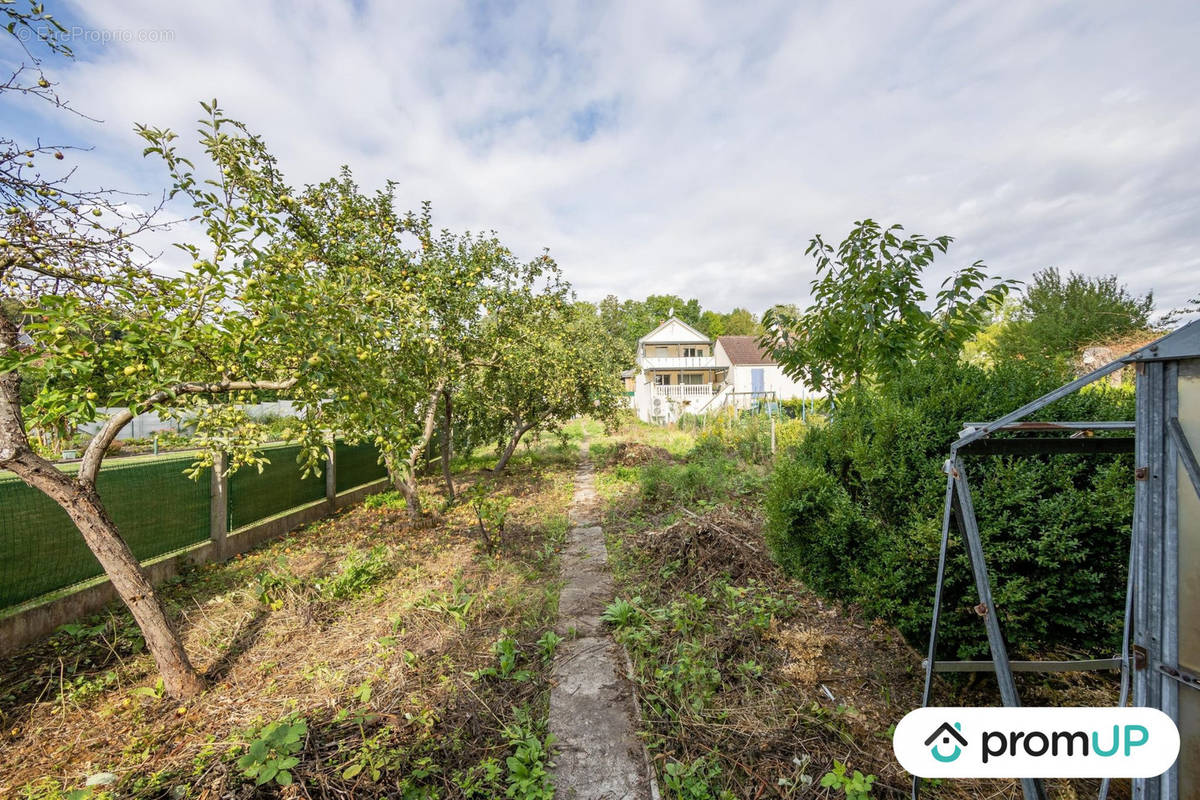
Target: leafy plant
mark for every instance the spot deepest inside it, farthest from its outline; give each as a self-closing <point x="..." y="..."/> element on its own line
<point x="548" y="644"/>
<point x="271" y="754"/>
<point x="491" y="510"/>
<point x="622" y="613"/>
<point x="507" y="655"/>
<point x="154" y="692"/>
<point x="527" y="777"/>
<point x="693" y="781"/>
<point x="456" y="604"/>
<point x="856" y="786"/>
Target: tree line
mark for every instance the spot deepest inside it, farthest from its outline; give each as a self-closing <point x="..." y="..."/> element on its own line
<point x="378" y="325"/>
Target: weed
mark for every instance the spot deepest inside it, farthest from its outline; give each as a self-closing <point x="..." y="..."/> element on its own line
<point x="456" y="605"/>
<point x="856" y="786"/>
<point x="491" y="510"/>
<point x="527" y="777"/>
<point x="373" y="758"/>
<point x="391" y="501"/>
<point x="356" y="573"/>
<point x="548" y="644"/>
<point x="271" y="754"/>
<point x="622" y="613"/>
<point x="693" y="781"/>
<point x="274" y="585"/>
<point x="507" y="654"/>
<point x="154" y="692"/>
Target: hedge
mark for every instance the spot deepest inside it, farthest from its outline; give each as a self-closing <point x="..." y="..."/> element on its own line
<point x="855" y="510"/>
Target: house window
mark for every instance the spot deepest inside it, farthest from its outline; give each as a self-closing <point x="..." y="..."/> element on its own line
<point x="693" y="352"/>
<point x="662" y="380"/>
<point x="692" y="379"/>
<point x="660" y="351"/>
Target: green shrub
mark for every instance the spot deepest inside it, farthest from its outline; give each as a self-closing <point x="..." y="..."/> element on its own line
<point x="855" y="510"/>
<point x="707" y="477"/>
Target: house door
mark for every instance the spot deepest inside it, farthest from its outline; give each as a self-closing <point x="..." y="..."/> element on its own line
<point x="757" y="382"/>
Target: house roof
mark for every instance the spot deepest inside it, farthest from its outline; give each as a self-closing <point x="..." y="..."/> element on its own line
<point x="675" y="331"/>
<point x="744" y="350"/>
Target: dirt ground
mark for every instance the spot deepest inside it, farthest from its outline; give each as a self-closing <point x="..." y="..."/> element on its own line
<point x="414" y="659"/>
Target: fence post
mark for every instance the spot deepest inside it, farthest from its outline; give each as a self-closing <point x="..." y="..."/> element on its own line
<point x="331" y="474"/>
<point x="218" y="509"/>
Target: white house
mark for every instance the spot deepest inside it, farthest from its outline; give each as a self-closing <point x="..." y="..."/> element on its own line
<point x="750" y="371"/>
<point x="681" y="371"/>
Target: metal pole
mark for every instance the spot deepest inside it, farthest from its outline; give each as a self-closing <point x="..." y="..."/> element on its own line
<point x="218" y="509"/>
<point x="1030" y="787"/>
<point x="937" y="605"/>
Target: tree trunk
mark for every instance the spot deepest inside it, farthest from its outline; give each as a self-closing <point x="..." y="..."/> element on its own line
<point x="403" y="483"/>
<point x="522" y="429"/>
<point x="84" y="507"/>
<point x="79" y="498"/>
<point x="447" y="446"/>
<point x="404" y="475"/>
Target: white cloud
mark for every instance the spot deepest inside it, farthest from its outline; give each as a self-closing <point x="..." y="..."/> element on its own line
<point x="694" y="148"/>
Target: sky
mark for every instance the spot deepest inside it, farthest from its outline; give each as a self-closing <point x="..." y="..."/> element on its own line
<point x="682" y="147"/>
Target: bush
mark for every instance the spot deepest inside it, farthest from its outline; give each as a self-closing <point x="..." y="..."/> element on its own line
<point x="855" y="510"/>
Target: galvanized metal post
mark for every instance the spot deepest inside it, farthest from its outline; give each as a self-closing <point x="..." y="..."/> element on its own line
<point x="331" y="474"/>
<point x="931" y="653"/>
<point x="1030" y="787"/>
<point x="218" y="507"/>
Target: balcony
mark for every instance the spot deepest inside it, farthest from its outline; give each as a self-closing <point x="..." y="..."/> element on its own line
<point x="678" y="362"/>
<point x="686" y="391"/>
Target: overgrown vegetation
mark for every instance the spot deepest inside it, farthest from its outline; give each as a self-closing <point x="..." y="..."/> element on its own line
<point x="752" y="683"/>
<point x="363" y="657"/>
<point x="855" y="510"/>
<point x="749" y="684"/>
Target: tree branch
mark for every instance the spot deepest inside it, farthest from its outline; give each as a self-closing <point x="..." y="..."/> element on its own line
<point x="89" y="469"/>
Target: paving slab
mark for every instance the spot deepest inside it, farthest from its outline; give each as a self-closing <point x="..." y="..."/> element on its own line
<point x="593" y="715"/>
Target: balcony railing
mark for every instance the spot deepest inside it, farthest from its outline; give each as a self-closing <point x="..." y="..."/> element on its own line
<point x="686" y="391"/>
<point x="679" y="362"/>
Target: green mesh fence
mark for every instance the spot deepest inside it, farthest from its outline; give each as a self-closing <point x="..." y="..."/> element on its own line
<point x="357" y="464"/>
<point x="279" y="487"/>
<point x="155" y="506"/>
<point x="157" y="509"/>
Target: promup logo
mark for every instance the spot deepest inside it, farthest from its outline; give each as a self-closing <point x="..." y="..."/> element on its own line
<point x="947" y="732"/>
<point x="1036" y="742"/>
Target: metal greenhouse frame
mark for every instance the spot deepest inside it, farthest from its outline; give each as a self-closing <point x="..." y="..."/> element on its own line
<point x="1160" y="654"/>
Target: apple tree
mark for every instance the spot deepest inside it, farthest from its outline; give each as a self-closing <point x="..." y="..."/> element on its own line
<point x="237" y="321"/>
<point x="553" y="361"/>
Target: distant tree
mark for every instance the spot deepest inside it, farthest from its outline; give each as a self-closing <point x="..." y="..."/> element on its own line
<point x="630" y="320"/>
<point x="1057" y="316"/>
<point x="741" y="322"/>
<point x="712" y="324"/>
<point x="1181" y="314"/>
<point x="867" y="322"/>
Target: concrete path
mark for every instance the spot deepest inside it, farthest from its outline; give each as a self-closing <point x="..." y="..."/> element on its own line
<point x="592" y="708"/>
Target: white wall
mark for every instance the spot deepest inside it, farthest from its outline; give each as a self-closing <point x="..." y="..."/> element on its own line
<point x="774" y="380"/>
<point x="147" y="424"/>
